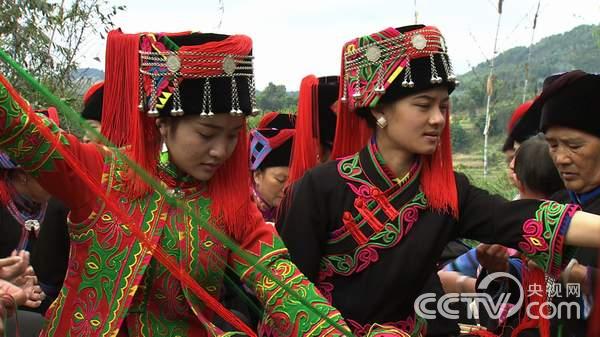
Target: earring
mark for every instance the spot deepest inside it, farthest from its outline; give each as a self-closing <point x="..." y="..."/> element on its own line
<point x="381" y="122"/>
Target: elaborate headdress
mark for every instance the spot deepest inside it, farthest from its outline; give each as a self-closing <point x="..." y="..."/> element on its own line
<point x="572" y="101"/>
<point x="383" y="67"/>
<point x="529" y="124"/>
<point x="271" y="143"/>
<point x="180" y="74"/>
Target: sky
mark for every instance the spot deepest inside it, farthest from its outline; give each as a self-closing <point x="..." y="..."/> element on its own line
<point x="292" y="39"/>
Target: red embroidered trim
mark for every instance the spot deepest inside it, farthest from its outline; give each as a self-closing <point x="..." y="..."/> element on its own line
<point x="350" y="224"/>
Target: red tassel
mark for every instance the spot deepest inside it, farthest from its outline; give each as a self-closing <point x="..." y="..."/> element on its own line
<point x="351" y="131"/>
<point x="122" y="122"/>
<point x="306" y="141"/>
<point x="372" y="221"/>
<point x="230" y="193"/>
<point x="437" y="176"/>
<point x="382" y="200"/>
<point x="121" y="87"/>
<point x="352" y="227"/>
<point x="534" y="277"/>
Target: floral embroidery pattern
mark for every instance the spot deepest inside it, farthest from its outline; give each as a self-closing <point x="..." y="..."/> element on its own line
<point x="544" y="236"/>
<point x="284" y="314"/>
<point x="391" y="234"/>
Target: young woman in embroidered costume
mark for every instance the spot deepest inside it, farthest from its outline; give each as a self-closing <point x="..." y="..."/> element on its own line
<point x="188" y="92"/>
<point x="315" y="132"/>
<point x="270" y="150"/>
<point x="369" y="227"/>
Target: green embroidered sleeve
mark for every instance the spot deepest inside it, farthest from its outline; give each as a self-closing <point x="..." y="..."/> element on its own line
<point x="535" y="227"/>
<point x="24" y="143"/>
<point x="284" y="315"/>
<point x="21" y="139"/>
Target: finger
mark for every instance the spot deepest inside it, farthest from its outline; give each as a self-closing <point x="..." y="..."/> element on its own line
<point x="9" y="261"/>
<point x="34" y="279"/>
<point x="483" y="246"/>
<point x="33" y="304"/>
<point x="28" y="272"/>
<point x="501" y="254"/>
<point x="496" y="249"/>
<point x="25" y="255"/>
<point x="481" y="249"/>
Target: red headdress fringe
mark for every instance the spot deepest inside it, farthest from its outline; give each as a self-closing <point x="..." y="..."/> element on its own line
<point x="306" y="142"/>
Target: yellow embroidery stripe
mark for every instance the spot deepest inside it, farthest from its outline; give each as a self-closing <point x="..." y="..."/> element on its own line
<point x="265" y="257"/>
<point x="18" y="133"/>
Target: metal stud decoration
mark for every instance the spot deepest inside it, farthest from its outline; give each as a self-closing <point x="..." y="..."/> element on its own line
<point x="164" y="70"/>
<point x="371" y="63"/>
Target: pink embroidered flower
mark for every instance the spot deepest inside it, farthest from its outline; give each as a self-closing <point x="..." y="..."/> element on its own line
<point x="533" y="239"/>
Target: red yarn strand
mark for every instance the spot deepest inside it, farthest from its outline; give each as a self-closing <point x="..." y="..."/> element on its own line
<point x="306" y="142"/>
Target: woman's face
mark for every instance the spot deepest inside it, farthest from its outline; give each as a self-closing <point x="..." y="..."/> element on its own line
<point x="270" y="182"/>
<point x="415" y="123"/>
<point x="89" y="137"/>
<point x="576" y="155"/>
<point x="199" y="145"/>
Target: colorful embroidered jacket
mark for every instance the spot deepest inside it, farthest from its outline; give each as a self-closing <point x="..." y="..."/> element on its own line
<point x="370" y="242"/>
<point x="113" y="285"/>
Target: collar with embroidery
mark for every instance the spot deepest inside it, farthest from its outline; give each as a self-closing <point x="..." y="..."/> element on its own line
<point x="178" y="182"/>
<point x="385" y="171"/>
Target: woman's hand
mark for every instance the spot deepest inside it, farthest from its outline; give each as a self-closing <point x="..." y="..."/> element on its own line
<point x="29" y="295"/>
<point x="494" y="258"/>
<point x="14" y="266"/>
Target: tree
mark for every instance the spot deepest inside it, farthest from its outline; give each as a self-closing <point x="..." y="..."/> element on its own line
<point x="47" y="38"/>
<point x="276" y="98"/>
<point x="460" y="138"/>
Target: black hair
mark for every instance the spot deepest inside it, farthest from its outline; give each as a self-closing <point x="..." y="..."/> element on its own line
<point x="535" y="169"/>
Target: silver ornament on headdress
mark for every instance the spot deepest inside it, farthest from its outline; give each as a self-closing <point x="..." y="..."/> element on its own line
<point x="423" y="42"/>
<point x="180" y="65"/>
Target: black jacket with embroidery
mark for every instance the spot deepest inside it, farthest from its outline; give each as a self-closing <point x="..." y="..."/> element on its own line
<point x="371" y="255"/>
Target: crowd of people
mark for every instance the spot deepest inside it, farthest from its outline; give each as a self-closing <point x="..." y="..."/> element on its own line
<point x="170" y="218"/>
